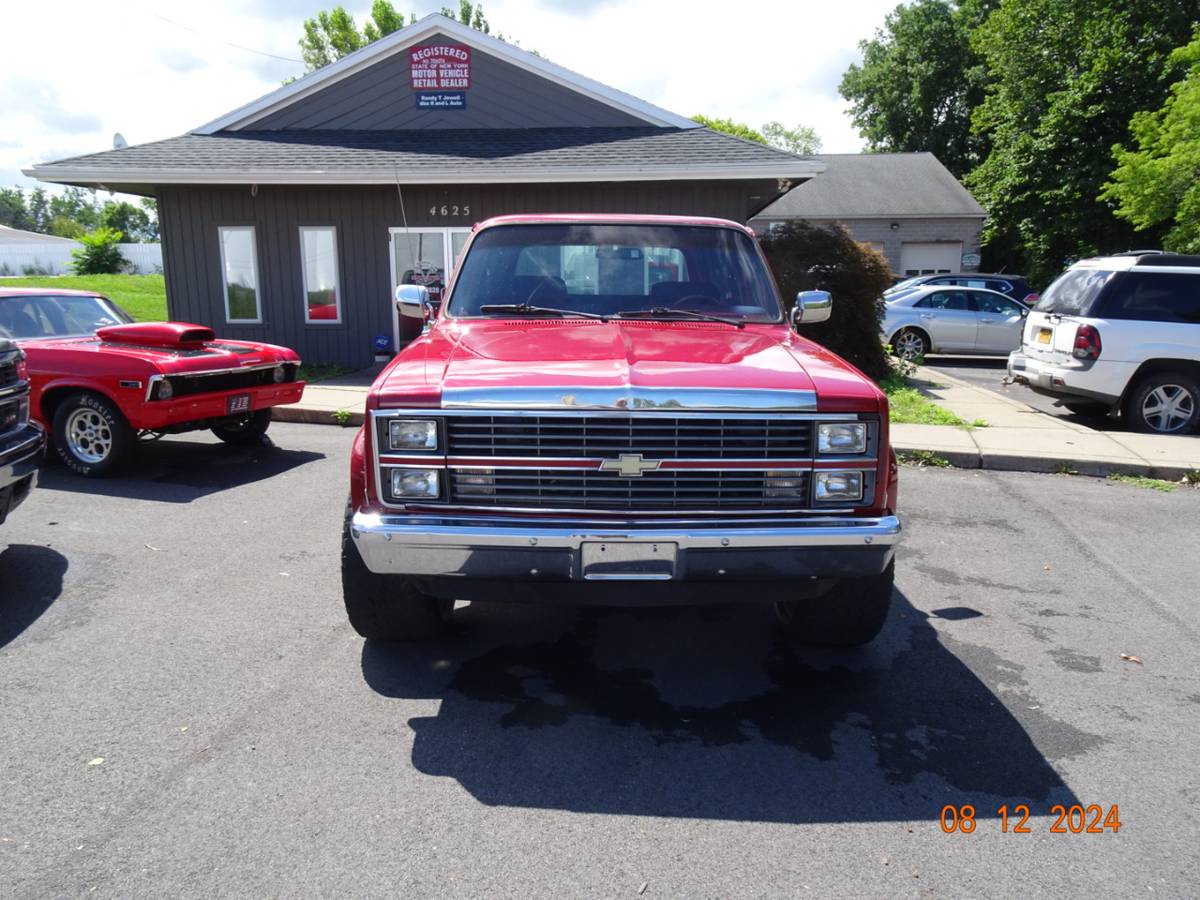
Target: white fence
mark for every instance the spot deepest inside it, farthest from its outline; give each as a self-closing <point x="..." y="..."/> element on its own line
<point x="55" y="259"/>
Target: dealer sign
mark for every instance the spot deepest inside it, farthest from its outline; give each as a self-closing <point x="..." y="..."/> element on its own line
<point x="443" y="67"/>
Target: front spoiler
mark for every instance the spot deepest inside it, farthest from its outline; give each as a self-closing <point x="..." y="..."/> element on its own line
<point x="512" y="550"/>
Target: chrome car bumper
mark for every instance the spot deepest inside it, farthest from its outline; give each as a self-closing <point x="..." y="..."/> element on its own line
<point x="524" y="551"/>
<point x="1053" y="381"/>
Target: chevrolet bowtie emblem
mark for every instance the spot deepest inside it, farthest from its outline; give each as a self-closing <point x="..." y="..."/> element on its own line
<point x="630" y="465"/>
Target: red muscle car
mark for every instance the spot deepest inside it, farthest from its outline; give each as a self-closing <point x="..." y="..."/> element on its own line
<point x="100" y="380"/>
<point x="616" y="409"/>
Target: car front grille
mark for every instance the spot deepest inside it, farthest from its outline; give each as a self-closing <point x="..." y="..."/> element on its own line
<point x="8" y="368"/>
<point x="568" y="489"/>
<point x="608" y="437"/>
<point x="188" y="385"/>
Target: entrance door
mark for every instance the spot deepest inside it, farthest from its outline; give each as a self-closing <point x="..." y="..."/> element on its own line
<point x="424" y="256"/>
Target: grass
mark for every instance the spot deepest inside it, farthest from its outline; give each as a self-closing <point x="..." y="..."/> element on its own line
<point x="323" y="371"/>
<point x="908" y="406"/>
<point x="922" y="458"/>
<point x="142" y="296"/>
<point x="1150" y="484"/>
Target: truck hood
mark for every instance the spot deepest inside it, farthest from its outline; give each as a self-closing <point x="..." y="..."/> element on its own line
<point x="589" y="363"/>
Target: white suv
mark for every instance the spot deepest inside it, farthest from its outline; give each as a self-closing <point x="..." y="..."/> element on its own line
<point x="1122" y="333"/>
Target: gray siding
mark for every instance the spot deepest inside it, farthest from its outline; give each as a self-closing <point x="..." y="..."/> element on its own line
<point x="501" y="96"/>
<point x="189" y="218"/>
<point x="879" y="231"/>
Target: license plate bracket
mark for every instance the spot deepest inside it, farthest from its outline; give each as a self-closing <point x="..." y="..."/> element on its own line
<point x="238" y="403"/>
<point x="628" y="560"/>
<point x="1045" y="335"/>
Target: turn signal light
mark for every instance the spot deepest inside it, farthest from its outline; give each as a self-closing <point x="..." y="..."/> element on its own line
<point x="1087" y="342"/>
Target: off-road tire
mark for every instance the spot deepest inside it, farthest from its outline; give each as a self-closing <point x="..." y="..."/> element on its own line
<point x="849" y="615"/>
<point x="243" y="431"/>
<point x="1133" y="411"/>
<point x="110" y="428"/>
<point x="915" y="336"/>
<point x="387" y="607"/>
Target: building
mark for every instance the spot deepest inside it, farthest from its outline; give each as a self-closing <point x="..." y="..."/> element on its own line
<point x="292" y="218"/>
<point x="906" y="205"/>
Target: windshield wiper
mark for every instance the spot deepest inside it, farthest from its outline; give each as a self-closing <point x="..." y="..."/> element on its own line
<point x="526" y="309"/>
<point x="663" y="312"/>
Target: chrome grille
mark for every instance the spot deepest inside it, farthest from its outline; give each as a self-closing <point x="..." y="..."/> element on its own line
<point x="607" y="437"/>
<point x="546" y="488"/>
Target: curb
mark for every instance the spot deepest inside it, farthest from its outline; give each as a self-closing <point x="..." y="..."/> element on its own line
<point x="309" y="416"/>
<point x="1046" y="465"/>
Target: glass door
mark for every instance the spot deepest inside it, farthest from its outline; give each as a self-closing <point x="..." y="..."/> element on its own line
<point x="424" y="256"/>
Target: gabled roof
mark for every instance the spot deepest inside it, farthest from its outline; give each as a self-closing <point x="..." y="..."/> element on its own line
<point x="431" y="25"/>
<point x="15" y="236"/>
<point x="877" y="185"/>
<point x="442" y="156"/>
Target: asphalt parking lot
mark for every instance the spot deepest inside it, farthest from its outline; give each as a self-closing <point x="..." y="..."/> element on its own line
<point x="186" y="712"/>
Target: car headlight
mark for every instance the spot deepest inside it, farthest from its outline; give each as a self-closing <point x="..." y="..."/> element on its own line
<point x="279" y="374"/>
<point x="412" y="434"/>
<point x="415" y="483"/>
<point x="838" y="486"/>
<point x="842" y="437"/>
<point x="165" y="391"/>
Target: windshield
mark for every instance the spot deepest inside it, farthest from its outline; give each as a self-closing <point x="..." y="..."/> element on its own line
<point x="906" y="284"/>
<point x="1072" y="293"/>
<point x="607" y="270"/>
<point x="50" y="316"/>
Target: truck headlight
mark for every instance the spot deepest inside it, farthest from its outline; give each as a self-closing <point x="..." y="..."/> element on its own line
<point x="415" y="483"/>
<point x="412" y="434"/>
<point x="164" y="391"/>
<point x="837" y="486"/>
<point x="842" y="437"/>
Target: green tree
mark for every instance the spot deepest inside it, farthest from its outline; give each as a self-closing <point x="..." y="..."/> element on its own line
<point x="1158" y="184"/>
<point x="76" y="205"/>
<point x="1065" y="77"/>
<point x="61" y="226"/>
<point x="919" y="81"/>
<point x="13" y="210"/>
<point x="39" y="210"/>
<point x="728" y="126"/>
<point x="469" y="14"/>
<point x="802" y="140"/>
<point x="99" y="254"/>
<point x="133" y="223"/>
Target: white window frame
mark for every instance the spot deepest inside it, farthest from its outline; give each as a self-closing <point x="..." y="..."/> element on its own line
<point x="221" y="230"/>
<point x="337" y="276"/>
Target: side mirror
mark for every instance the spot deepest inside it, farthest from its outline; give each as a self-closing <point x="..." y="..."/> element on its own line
<point x="811" y="307"/>
<point x="1024" y="314"/>
<point x="412" y="300"/>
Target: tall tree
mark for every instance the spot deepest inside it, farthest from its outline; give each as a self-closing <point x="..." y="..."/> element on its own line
<point x="728" y="126"/>
<point x="803" y="139"/>
<point x="14" y="212"/>
<point x="1158" y="184"/>
<point x="1064" y="79"/>
<point x="918" y="82"/>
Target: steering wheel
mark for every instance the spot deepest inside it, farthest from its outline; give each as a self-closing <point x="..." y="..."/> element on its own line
<point x="697" y="302"/>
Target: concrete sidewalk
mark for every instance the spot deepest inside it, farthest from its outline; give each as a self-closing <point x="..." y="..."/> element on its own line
<point x="1020" y="438"/>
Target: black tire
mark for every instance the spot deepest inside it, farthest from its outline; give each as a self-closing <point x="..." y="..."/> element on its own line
<point x="918" y="340"/>
<point x="850" y="615"/>
<point x="1176" y="394"/>
<point x="91" y="435"/>
<point x="244" y="430"/>
<point x="387" y="607"/>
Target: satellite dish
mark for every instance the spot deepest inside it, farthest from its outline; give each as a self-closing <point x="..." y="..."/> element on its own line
<point x="119" y="142"/>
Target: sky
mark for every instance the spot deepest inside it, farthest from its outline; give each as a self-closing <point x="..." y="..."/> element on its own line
<point x="152" y="70"/>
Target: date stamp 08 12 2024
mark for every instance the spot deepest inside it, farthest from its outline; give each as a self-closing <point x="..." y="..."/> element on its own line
<point x="1074" y="819"/>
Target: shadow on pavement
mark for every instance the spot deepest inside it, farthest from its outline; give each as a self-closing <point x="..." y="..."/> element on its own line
<point x="31" y="578"/>
<point x="704" y="713"/>
<point x="180" y="471"/>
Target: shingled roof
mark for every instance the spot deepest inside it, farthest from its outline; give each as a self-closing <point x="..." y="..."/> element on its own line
<point x="877" y="185"/>
<point x="436" y="156"/>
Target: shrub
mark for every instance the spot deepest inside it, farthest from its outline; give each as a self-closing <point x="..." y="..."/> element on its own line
<point x="807" y="257"/>
<point x="99" y="254"/>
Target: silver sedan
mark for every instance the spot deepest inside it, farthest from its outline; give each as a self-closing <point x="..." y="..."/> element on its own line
<point x="951" y="319"/>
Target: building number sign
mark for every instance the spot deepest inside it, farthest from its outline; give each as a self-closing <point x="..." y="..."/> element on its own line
<point x="447" y="211"/>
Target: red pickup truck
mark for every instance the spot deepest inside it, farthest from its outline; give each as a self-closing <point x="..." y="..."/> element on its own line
<point x="615" y="409"/>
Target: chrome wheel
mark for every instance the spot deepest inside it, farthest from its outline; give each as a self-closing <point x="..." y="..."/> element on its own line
<point x="1168" y="408"/>
<point x="89" y="435"/>
<point x="909" y="345"/>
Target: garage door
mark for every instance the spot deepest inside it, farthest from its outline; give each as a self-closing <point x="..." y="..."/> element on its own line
<point x="931" y="258"/>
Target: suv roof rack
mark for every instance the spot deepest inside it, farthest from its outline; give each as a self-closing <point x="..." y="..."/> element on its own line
<point x="1169" y="259"/>
<point x="1137" y="253"/>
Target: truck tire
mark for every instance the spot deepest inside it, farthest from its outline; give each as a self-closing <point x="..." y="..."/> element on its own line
<point x="387" y="607"/>
<point x="244" y="431"/>
<point x="850" y="615"/>
<point x="1163" y="403"/>
<point x="91" y="435"/>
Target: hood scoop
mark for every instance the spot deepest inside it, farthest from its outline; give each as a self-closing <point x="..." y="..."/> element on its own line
<point x="169" y="335"/>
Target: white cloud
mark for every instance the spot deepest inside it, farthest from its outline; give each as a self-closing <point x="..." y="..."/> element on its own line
<point x="160" y="69"/>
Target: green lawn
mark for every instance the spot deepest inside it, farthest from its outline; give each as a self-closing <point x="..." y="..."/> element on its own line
<point x="142" y="296"/>
<point x="908" y="406"/>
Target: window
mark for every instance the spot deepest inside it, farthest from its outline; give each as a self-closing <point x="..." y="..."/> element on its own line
<point x="1072" y="294"/>
<point x="952" y="300"/>
<point x="318" y="262"/>
<point x="57" y="316"/>
<point x="239" y="271"/>
<point x="994" y="303"/>
<point x="1153" y="297"/>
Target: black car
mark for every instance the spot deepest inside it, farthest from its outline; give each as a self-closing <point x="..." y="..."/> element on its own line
<point x="1013" y="286"/>
<point x="21" y="441"/>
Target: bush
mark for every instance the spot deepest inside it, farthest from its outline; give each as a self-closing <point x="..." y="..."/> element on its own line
<point x="99" y="254"/>
<point x="807" y="257"/>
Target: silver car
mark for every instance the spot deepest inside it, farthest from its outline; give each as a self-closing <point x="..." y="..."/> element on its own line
<point x="952" y="319"/>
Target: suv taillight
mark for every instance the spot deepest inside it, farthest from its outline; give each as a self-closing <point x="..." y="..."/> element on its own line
<point x="1087" y="343"/>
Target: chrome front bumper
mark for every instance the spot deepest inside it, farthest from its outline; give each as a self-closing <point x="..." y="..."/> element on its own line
<point x="516" y="550"/>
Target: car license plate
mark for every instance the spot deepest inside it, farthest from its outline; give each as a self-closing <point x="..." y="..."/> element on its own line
<point x="238" y="404"/>
<point x="1044" y="335"/>
<point x="628" y="560"/>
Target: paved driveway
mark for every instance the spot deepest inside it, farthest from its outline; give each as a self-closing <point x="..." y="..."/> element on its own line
<point x="183" y="624"/>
